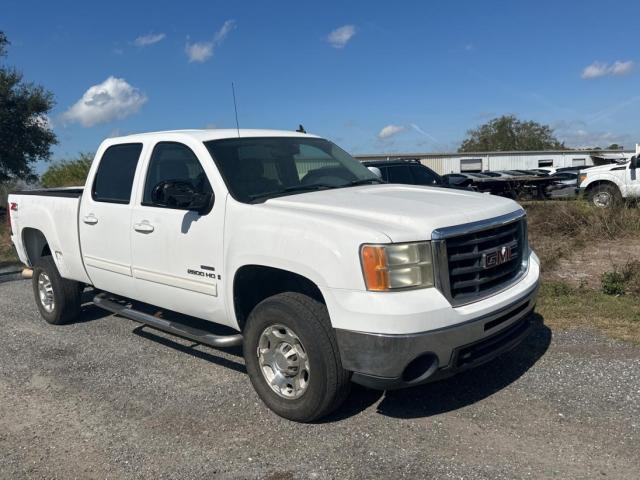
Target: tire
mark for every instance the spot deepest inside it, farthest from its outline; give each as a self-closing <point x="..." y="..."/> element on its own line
<point x="289" y="318"/>
<point x="605" y="196"/>
<point x="58" y="299"/>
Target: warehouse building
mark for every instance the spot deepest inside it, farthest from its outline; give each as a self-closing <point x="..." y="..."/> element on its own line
<point x="444" y="163"/>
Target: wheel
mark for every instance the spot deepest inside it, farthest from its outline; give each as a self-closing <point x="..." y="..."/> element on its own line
<point x="605" y="196"/>
<point x="57" y="299"/>
<point x="292" y="357"/>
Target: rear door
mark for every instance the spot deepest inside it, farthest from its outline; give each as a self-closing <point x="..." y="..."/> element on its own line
<point x="105" y="219"/>
<point x="177" y="253"/>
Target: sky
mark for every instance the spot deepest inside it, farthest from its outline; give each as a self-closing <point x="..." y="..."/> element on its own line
<point x="373" y="76"/>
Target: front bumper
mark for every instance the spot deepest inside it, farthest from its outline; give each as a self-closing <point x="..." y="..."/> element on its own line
<point x="387" y="361"/>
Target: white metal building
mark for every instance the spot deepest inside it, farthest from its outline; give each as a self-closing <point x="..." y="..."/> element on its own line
<point x="444" y="163"/>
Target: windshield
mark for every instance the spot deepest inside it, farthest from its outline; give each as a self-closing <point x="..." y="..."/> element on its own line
<point x="256" y="168"/>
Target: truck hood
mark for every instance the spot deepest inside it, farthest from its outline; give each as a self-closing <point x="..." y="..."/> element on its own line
<point x="401" y="212"/>
<point x="603" y="168"/>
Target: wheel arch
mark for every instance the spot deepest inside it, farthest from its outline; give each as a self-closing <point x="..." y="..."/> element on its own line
<point x="35" y="244"/>
<point x="254" y="283"/>
<point x="600" y="183"/>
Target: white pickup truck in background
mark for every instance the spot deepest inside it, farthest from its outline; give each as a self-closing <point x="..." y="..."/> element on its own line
<point x="608" y="185"/>
<point x="324" y="273"/>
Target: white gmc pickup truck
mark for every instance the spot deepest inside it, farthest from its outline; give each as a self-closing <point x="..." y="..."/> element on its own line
<point x="324" y="273"/>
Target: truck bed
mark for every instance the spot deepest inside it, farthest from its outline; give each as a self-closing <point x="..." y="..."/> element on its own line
<point x="52" y="214"/>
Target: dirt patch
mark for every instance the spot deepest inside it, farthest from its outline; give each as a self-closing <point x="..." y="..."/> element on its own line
<point x="584" y="267"/>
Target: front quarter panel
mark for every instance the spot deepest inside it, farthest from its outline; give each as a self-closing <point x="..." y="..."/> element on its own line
<point x="319" y="247"/>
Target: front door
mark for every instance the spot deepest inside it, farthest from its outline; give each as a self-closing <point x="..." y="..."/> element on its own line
<point x="633" y="181"/>
<point x="105" y="219"/>
<point x="177" y="253"/>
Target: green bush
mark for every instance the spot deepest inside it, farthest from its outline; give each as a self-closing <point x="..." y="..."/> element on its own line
<point x="613" y="283"/>
<point x="68" y="173"/>
<point x="622" y="280"/>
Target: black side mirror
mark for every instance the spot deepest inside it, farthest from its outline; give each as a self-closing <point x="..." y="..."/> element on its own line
<point x="634" y="162"/>
<point x="181" y="195"/>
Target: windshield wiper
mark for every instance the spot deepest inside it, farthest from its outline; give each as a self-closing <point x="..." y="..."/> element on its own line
<point x="292" y="189"/>
<point x="365" y="181"/>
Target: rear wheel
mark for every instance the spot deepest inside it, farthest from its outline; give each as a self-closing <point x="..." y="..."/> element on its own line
<point x="605" y="196"/>
<point x="292" y="357"/>
<point x="58" y="299"/>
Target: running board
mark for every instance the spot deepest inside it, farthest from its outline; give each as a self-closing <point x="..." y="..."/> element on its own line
<point x="102" y="300"/>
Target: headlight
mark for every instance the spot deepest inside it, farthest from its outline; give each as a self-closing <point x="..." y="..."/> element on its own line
<point x="397" y="266"/>
<point x="581" y="178"/>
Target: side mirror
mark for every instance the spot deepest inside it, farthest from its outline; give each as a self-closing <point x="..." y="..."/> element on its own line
<point x="181" y="195"/>
<point x="376" y="171"/>
<point x="633" y="162"/>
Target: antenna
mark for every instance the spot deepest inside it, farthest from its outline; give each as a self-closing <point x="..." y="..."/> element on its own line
<point x="235" y="107"/>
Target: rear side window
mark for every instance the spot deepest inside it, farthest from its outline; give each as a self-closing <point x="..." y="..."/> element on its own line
<point x="117" y="168"/>
<point x="400" y="174"/>
<point x="424" y="176"/>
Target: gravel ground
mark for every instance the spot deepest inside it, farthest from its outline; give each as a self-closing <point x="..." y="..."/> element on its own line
<point x="104" y="398"/>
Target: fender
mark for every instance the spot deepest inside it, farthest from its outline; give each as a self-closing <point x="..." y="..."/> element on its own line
<point x="57" y="232"/>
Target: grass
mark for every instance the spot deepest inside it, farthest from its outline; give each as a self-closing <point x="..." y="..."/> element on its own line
<point x="558" y="229"/>
<point x="563" y="308"/>
<point x="561" y="229"/>
<point x="7" y="254"/>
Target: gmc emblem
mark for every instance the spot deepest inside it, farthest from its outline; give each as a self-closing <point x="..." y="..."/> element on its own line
<point x="500" y="255"/>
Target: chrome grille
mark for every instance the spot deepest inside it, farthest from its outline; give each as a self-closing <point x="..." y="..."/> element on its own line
<point x="477" y="260"/>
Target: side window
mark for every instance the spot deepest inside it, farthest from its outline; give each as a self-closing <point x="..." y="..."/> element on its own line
<point x="114" y="178"/>
<point x="423" y="176"/>
<point x="385" y="173"/>
<point x="400" y="174"/>
<point x="176" y="162"/>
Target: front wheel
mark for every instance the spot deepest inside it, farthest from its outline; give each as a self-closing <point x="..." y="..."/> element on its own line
<point x="292" y="357"/>
<point x="57" y="298"/>
<point x="605" y="196"/>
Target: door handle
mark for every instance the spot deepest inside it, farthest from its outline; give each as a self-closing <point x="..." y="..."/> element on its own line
<point x="143" y="227"/>
<point x="90" y="219"/>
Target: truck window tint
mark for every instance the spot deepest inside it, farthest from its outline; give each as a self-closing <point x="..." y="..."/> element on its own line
<point x="114" y="177"/>
<point x="258" y="168"/>
<point x="177" y="162"/>
<point x="400" y="174"/>
<point x="311" y="159"/>
<point x="424" y="176"/>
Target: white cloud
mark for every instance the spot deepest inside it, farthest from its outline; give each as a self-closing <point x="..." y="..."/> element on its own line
<point x="149" y="39"/>
<point x="202" y="51"/>
<point x="389" y="131"/>
<point x="341" y="36"/>
<point x="600" y="69"/>
<point x="112" y="99"/>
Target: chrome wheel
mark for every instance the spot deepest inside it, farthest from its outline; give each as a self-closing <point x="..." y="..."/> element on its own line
<point x="283" y="361"/>
<point x="45" y="290"/>
<point x="602" y="199"/>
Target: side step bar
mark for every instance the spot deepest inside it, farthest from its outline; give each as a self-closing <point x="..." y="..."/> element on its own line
<point x="102" y="300"/>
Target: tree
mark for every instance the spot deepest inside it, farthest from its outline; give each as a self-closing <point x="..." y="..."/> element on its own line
<point x="507" y="133"/>
<point x="615" y="146"/>
<point x="25" y="133"/>
<point x="68" y="173"/>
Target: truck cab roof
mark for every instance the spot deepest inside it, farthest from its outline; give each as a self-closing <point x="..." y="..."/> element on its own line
<point x="204" y="135"/>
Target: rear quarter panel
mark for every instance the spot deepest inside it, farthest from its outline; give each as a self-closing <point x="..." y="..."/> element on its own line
<point x="57" y="219"/>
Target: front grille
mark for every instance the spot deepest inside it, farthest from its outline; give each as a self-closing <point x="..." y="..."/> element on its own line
<point x="481" y="259"/>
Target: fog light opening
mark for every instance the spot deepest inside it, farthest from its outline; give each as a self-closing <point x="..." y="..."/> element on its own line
<point x="420" y="368"/>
